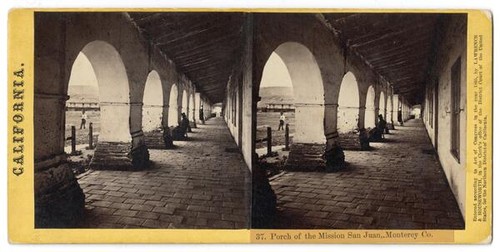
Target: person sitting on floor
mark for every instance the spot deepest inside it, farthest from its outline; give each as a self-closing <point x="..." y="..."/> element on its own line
<point x="377" y="133"/>
<point x="180" y="132"/>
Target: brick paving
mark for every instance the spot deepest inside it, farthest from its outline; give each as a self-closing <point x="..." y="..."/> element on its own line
<point x="203" y="183"/>
<point x="397" y="185"/>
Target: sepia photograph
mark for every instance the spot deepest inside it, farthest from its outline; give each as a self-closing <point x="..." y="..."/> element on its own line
<point x="132" y="128"/>
<point x="240" y="120"/>
<point x="360" y="120"/>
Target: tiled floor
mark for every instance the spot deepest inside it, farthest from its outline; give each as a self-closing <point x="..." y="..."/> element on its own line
<point x="397" y="185"/>
<point x="204" y="183"/>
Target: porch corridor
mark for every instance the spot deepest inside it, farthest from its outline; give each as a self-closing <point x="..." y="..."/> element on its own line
<point x="397" y="185"/>
<point x="200" y="184"/>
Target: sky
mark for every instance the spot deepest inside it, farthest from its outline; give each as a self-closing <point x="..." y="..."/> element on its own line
<point x="82" y="74"/>
<point x="275" y="73"/>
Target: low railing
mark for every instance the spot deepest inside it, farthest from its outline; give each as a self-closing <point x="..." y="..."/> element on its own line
<point x="72" y="138"/>
<point x="269" y="138"/>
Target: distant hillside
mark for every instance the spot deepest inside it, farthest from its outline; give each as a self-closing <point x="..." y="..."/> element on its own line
<point x="83" y="93"/>
<point x="275" y="95"/>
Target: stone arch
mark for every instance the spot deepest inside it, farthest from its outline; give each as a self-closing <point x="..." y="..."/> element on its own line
<point x="348" y="109"/>
<point x="153" y="103"/>
<point x="273" y="31"/>
<point x="173" y="112"/>
<point x="370" y="116"/>
<point x="133" y="52"/>
<point x="308" y="92"/>
<point x="381" y="105"/>
<point x="113" y="91"/>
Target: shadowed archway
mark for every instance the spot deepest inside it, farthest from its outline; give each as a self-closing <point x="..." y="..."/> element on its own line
<point x="348" y="110"/>
<point x="173" y="107"/>
<point x="381" y="106"/>
<point x="153" y="103"/>
<point x="370" y="108"/>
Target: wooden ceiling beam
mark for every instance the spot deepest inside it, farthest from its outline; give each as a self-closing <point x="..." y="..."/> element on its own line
<point x="388" y="48"/>
<point x="378" y="22"/>
<point x="396" y="56"/>
<point x="411" y="33"/>
<point x="204" y="30"/>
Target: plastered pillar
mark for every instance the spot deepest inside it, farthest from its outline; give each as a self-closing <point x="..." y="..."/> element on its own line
<point x="309" y="123"/>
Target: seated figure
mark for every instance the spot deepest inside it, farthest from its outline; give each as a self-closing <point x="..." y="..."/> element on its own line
<point x="180" y="132"/>
<point x="377" y="133"/>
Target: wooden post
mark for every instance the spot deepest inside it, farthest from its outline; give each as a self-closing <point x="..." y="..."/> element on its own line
<point x="287" y="137"/>
<point x="91" y="137"/>
<point x="73" y="139"/>
<point x="269" y="141"/>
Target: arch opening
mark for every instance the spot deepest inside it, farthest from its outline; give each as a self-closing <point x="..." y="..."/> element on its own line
<point x="370" y="116"/>
<point x="308" y="92"/>
<point x="348" y="109"/>
<point x="173" y="107"/>
<point x="83" y="92"/>
<point x="381" y="106"/>
<point x="99" y="90"/>
<point x="276" y="97"/>
<point x="153" y="103"/>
